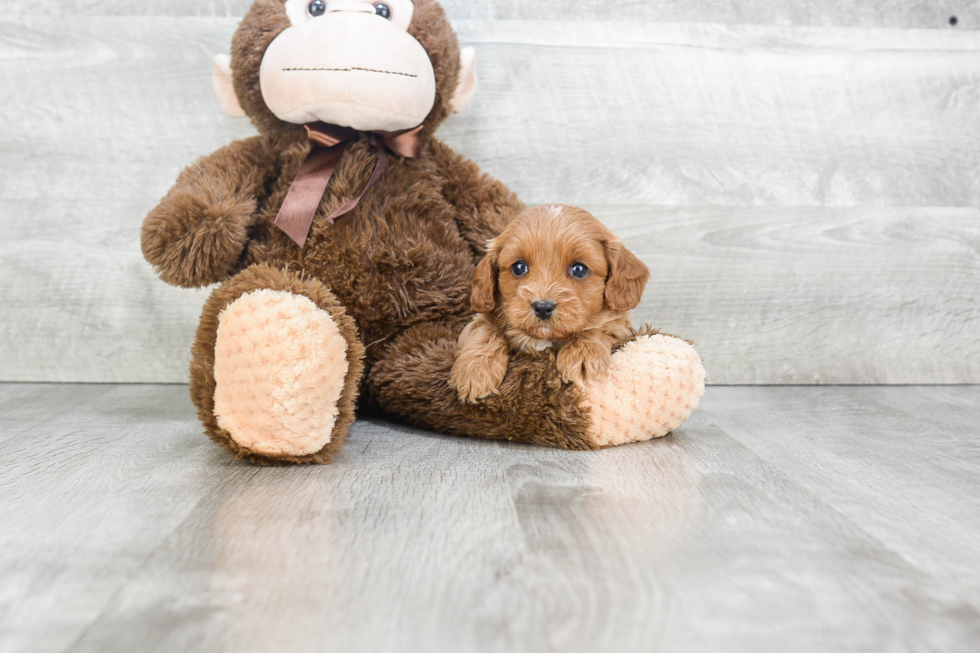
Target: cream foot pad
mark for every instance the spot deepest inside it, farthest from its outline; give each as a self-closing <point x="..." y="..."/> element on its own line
<point x="654" y="384"/>
<point x="280" y="363"/>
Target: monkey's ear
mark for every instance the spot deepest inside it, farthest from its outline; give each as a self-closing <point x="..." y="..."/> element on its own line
<point x="484" y="297"/>
<point x="223" y="87"/>
<point x="628" y="277"/>
<point x="467" y="80"/>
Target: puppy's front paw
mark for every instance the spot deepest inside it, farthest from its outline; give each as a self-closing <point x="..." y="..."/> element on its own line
<point x="583" y="362"/>
<point x="477" y="377"/>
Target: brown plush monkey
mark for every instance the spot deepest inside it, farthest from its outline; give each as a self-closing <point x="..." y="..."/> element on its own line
<point x="345" y="238"/>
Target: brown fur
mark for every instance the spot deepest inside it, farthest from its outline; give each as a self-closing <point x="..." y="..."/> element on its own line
<point x="395" y="273"/>
<point x="532" y="406"/>
<point x="591" y="316"/>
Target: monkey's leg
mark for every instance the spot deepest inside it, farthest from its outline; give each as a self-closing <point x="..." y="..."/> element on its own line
<point x="654" y="384"/>
<point x="275" y="368"/>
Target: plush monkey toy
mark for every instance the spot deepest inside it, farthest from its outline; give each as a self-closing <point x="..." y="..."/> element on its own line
<point x="345" y="237"/>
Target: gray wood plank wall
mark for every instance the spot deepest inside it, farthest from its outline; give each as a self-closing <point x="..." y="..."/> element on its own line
<point x="879" y="13"/>
<point x="803" y="178"/>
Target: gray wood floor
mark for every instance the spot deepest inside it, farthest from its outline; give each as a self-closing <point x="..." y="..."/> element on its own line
<point x="778" y="519"/>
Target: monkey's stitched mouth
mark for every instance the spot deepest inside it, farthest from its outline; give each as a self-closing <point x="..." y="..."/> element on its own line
<point x="347" y="70"/>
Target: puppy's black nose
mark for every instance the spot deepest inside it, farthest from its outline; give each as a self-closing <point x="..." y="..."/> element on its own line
<point x="543" y="309"/>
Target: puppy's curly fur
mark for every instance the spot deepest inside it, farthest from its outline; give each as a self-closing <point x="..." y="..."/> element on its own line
<point x="553" y="258"/>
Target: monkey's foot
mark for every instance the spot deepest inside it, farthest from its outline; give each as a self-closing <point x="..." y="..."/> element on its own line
<point x="280" y="368"/>
<point x="654" y="383"/>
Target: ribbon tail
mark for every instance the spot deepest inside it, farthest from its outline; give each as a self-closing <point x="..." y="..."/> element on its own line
<point x="299" y="208"/>
<point x="303" y="199"/>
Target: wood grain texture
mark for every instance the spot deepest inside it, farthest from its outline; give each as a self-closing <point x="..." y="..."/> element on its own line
<point x="768" y="295"/>
<point x="907" y="452"/>
<point x="803" y="132"/>
<point x="814" y="295"/>
<point x="621" y="113"/>
<point x="655" y="114"/>
<point x="803" y="519"/>
<point x="933" y="14"/>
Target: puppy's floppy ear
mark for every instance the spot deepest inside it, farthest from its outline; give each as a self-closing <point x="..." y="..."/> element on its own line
<point x="628" y="277"/>
<point x="484" y="297"/>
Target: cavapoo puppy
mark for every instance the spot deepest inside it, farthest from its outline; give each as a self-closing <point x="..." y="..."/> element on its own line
<point x="555" y="278"/>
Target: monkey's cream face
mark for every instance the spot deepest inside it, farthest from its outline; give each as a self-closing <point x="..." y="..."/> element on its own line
<point x="349" y="63"/>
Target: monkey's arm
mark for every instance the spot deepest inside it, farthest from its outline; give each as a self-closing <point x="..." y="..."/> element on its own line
<point x="199" y="231"/>
<point x="484" y="206"/>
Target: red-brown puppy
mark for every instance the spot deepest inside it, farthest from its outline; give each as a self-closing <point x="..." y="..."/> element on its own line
<point x="556" y="277"/>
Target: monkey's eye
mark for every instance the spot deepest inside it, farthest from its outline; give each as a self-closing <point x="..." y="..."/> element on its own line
<point x="317" y="8"/>
<point x="383" y="10"/>
<point x="519" y="269"/>
<point x="579" y="271"/>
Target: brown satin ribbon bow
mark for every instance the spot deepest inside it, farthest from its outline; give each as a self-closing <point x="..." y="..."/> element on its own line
<point x="329" y="144"/>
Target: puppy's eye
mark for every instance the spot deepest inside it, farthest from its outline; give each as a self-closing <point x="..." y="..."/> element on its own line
<point x="579" y="271"/>
<point x="383" y="10"/>
<point x="519" y="269"/>
<point x="317" y="8"/>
